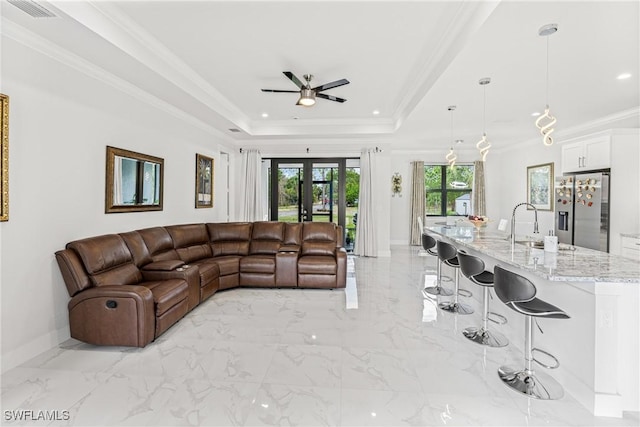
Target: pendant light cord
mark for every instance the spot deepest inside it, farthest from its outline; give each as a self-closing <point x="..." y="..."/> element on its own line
<point x="484" y="110"/>
<point x="547" y="71"/>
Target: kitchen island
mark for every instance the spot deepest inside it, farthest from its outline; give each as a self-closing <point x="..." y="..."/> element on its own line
<point x="598" y="347"/>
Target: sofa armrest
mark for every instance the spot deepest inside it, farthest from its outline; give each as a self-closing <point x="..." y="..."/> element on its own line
<point x="166" y="265"/>
<point x="287" y="269"/>
<point x="341" y="260"/>
<point x="188" y="273"/>
<point x="113" y="315"/>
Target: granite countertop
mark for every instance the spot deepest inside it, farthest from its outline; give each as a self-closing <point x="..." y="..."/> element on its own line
<point x="579" y="265"/>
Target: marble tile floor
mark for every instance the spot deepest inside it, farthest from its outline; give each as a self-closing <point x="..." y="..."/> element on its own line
<point x="369" y="355"/>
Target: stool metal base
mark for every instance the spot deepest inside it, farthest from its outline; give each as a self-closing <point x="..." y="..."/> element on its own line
<point x="438" y="290"/>
<point x="537" y="385"/>
<point x="455" y="307"/>
<point x="485" y="337"/>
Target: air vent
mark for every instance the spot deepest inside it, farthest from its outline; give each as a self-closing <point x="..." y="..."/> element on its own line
<point x="32" y="8"/>
<point x="234" y="130"/>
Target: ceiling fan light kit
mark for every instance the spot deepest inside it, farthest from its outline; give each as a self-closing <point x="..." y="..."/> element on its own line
<point x="546" y="121"/>
<point x="308" y="94"/>
<point x="307" y="98"/>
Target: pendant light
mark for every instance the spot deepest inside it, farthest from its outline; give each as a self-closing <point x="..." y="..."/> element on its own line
<point x="483" y="145"/>
<point x="451" y="156"/>
<point x="546" y="128"/>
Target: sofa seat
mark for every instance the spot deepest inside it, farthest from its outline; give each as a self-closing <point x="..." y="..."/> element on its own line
<point x="317" y="264"/>
<point x="228" y="264"/>
<point x="265" y="264"/>
<point x="167" y="293"/>
<point x="170" y="300"/>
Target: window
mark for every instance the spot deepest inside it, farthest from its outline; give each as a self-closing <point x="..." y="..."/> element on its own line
<point x="449" y="191"/>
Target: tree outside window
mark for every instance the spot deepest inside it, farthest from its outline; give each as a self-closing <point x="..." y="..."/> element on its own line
<point x="448" y="191"/>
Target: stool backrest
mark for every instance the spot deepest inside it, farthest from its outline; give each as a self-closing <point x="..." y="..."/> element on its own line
<point x="428" y="242"/>
<point x="446" y="251"/>
<point x="511" y="287"/>
<point x="470" y="265"/>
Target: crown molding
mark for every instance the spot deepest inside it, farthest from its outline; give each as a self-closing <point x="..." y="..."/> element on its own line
<point x="109" y="22"/>
<point x="468" y="19"/>
<point x="39" y="44"/>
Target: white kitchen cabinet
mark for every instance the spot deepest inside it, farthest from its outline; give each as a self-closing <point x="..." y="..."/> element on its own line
<point x="630" y="247"/>
<point x="589" y="154"/>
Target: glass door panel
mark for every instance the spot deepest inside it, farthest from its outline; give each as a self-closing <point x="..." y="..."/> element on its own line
<point x="289" y="193"/>
<point x="313" y="190"/>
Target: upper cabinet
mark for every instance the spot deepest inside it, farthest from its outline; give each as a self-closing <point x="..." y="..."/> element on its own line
<point x="588" y="154"/>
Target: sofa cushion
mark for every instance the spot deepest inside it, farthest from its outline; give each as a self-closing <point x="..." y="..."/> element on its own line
<point x="159" y="243"/>
<point x="318" y="238"/>
<point x="209" y="271"/>
<point x="317" y="265"/>
<point x="125" y="274"/>
<point x="258" y="264"/>
<point x="137" y="247"/>
<point x="228" y="264"/>
<point x="191" y="241"/>
<point x="266" y="238"/>
<point x="167" y="293"/>
<point x="293" y="233"/>
<point x="230" y="238"/>
<point x="102" y="252"/>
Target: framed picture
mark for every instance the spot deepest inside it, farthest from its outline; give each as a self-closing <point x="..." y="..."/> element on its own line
<point x="540" y="186"/>
<point x="4" y="157"/>
<point x="204" y="181"/>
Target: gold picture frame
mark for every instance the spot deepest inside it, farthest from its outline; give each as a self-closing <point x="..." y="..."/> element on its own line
<point x="540" y="186"/>
<point x="4" y="157"/>
<point x="134" y="181"/>
<point x="204" y="181"/>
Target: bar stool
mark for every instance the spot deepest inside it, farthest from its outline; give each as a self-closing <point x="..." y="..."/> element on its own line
<point x="518" y="293"/>
<point x="472" y="268"/>
<point x="448" y="254"/>
<point x="428" y="243"/>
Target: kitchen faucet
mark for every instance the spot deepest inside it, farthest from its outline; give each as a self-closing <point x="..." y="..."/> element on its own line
<point x="513" y="222"/>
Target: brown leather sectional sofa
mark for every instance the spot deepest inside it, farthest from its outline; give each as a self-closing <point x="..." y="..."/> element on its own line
<point x="127" y="289"/>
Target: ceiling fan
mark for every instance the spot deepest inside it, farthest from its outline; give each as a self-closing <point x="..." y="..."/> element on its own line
<point x="308" y="94"/>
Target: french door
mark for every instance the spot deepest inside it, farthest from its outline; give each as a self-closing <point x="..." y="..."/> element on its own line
<point x="307" y="190"/>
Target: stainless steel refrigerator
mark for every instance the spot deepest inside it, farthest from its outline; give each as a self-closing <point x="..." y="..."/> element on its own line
<point x="582" y="209"/>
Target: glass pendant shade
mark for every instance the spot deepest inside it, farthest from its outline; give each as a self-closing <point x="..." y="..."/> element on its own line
<point x="451" y="158"/>
<point x="483" y="146"/>
<point x="546" y="129"/>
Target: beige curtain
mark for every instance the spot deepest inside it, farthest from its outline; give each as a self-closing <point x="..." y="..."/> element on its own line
<point x="366" y="243"/>
<point x="252" y="208"/>
<point x="479" y="202"/>
<point x="418" y="196"/>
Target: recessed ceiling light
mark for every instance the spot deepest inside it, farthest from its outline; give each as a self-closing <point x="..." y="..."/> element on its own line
<point x="536" y="114"/>
<point x="376" y="112"/>
<point x="624" y="76"/>
<point x="265" y="115"/>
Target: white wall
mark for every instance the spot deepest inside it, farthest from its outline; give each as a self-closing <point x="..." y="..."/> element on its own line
<point x="60" y="123"/>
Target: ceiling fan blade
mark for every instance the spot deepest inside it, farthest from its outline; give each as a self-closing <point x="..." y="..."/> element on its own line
<point x="330" y="97"/>
<point x="280" y="91"/>
<point x="331" y="85"/>
<point x="293" y="78"/>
